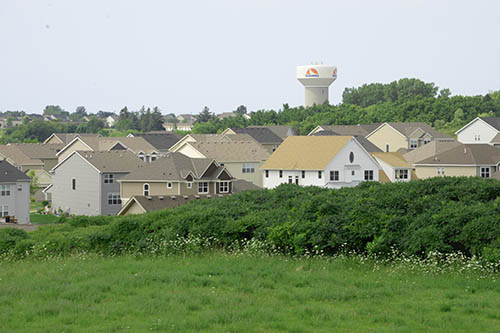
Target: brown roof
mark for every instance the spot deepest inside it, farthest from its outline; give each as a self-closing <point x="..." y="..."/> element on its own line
<point x="232" y="151"/>
<point x="428" y="150"/>
<point x="306" y="152"/>
<point x="394" y="159"/>
<point x="68" y="137"/>
<point x="113" y="161"/>
<point x="472" y="154"/>
<point x="360" y="129"/>
<point x="17" y="156"/>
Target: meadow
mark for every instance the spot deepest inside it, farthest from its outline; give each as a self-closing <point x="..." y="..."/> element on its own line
<point x="243" y="293"/>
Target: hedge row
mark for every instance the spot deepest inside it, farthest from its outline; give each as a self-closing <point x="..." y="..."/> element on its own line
<point x="438" y="214"/>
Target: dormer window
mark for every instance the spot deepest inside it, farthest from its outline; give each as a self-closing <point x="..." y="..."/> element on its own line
<point x="154" y="156"/>
<point x="142" y="156"/>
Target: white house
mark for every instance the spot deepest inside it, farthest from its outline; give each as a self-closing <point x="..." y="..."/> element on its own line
<point x="480" y="130"/>
<point x="325" y="161"/>
<point x="394" y="165"/>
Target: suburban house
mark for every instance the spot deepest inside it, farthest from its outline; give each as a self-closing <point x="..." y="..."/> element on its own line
<point x="429" y="150"/>
<point x="369" y="147"/>
<point x="396" y="168"/>
<point x="142" y="204"/>
<point x="325" y="161"/>
<point x="392" y="137"/>
<point x="242" y="158"/>
<point x="65" y="138"/>
<point x="349" y="130"/>
<point x="177" y="175"/>
<point x="479" y="160"/>
<point x="481" y="130"/>
<point x="282" y="131"/>
<point x="161" y="140"/>
<point x="111" y="120"/>
<point x="208" y="137"/>
<point x="86" y="183"/>
<point x="14" y="195"/>
<point x="263" y="135"/>
<point x="137" y="145"/>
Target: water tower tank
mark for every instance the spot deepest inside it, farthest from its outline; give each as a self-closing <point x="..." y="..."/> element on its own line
<point x="316" y="80"/>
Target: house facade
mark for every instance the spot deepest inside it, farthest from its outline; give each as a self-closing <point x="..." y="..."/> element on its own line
<point x="394" y="166"/>
<point x="14" y="195"/>
<point x="268" y="139"/>
<point x="480" y="131"/>
<point x="324" y="161"/>
<point x="86" y="183"/>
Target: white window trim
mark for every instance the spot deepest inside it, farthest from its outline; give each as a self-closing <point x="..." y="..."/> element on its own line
<point x="208" y="187"/>
<point x="144" y="190"/>
<point x="170" y="185"/>
<point x="226" y="184"/>
<point x="189" y="184"/>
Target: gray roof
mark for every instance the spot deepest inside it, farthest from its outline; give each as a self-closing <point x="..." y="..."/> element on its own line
<point x="492" y="121"/>
<point x="240" y="185"/>
<point x="68" y="137"/>
<point x="472" y="154"/>
<point x="429" y="150"/>
<point x="368" y="145"/>
<point x="351" y="130"/>
<point x="409" y="128"/>
<point x="282" y="131"/>
<point x="14" y="154"/>
<point x="175" y="167"/>
<point x="262" y="135"/>
<point x="164" y="202"/>
<point x="9" y="173"/>
<point x="113" y="161"/>
<point x="160" y="140"/>
<point x="39" y="150"/>
<point x="232" y="151"/>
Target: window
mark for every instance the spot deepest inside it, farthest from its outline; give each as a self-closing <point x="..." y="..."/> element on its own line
<point x="145" y="190"/>
<point x="109" y="178"/>
<point x="5" y="210"/>
<point x="19" y="187"/>
<point x="440" y="171"/>
<point x="203" y="187"/>
<point x="248" y="168"/>
<point x="224" y="187"/>
<point x="303" y="174"/>
<point x="401" y="173"/>
<point x="169" y="185"/>
<point x="297" y="180"/>
<point x="319" y="174"/>
<point x="426" y="141"/>
<point x="387" y="148"/>
<point x="353" y="172"/>
<point x="5" y="190"/>
<point x="73" y="184"/>
<point x="290" y="180"/>
<point x="221" y="164"/>
<point x="114" y="199"/>
<point x="154" y="157"/>
<point x="351" y="157"/>
<point x="368" y="174"/>
<point x="281" y="173"/>
<point x="485" y="172"/>
<point x="142" y="156"/>
<point x="413" y="144"/>
<point x="267" y="173"/>
<point x="334" y="175"/>
<point x="189" y="185"/>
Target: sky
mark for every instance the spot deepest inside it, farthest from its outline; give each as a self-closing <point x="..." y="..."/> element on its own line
<point x="183" y="55"/>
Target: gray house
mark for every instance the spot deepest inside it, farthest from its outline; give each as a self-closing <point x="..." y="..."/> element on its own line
<point x="14" y="194"/>
<point x="86" y="183"/>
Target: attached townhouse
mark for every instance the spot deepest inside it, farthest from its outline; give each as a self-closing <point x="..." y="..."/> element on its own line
<point x="477" y="160"/>
<point x="263" y="135"/>
<point x="86" y="182"/>
<point x="14" y="195"/>
<point x="65" y="138"/>
<point x="391" y="137"/>
<point x="325" y="161"/>
<point x="161" y="140"/>
<point x="137" y="145"/>
<point x="177" y="175"/>
<point x="481" y="130"/>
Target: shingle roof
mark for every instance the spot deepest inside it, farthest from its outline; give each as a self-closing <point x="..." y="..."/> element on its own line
<point x="428" y="150"/>
<point x="472" y="154"/>
<point x="262" y="135"/>
<point x="232" y="151"/>
<point x="306" y="152"/>
<point x="39" y="150"/>
<point x="408" y="128"/>
<point x="18" y="157"/>
<point x="496" y="139"/>
<point x="135" y="144"/>
<point x="160" y="140"/>
<point x="394" y="159"/>
<point x="492" y="121"/>
<point x="175" y="166"/>
<point x="240" y="185"/>
<point x="68" y="137"/>
<point x="9" y="173"/>
<point x="360" y="129"/>
<point x="154" y="203"/>
<point x="280" y="130"/>
<point x="367" y="144"/>
<point x="113" y="161"/>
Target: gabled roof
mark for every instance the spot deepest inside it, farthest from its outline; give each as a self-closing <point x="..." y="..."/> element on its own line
<point x="468" y="154"/>
<point x="394" y="159"/>
<point x="10" y="174"/>
<point x="492" y="121"/>
<point x="428" y="150"/>
<point x="240" y="185"/>
<point x="66" y="138"/>
<point x="262" y="135"/>
<point x="118" y="161"/>
<point x="282" y="131"/>
<point x="350" y="130"/>
<point x="17" y="156"/>
<point x="38" y="150"/>
<point x="134" y="144"/>
<point x="496" y="139"/>
<point x="160" y="140"/>
<point x="306" y="152"/>
<point x="232" y="151"/>
<point x="368" y="145"/>
<point x="174" y="167"/>
<point x="409" y="128"/>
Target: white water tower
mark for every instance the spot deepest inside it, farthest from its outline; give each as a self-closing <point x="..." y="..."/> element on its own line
<point x="316" y="79"/>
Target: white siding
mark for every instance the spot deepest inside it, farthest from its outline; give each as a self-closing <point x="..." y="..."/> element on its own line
<point x="477" y="129"/>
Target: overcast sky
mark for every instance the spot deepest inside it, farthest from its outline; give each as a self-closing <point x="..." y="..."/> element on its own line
<point x="182" y="55"/>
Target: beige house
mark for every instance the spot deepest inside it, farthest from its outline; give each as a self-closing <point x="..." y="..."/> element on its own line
<point x="476" y="160"/>
<point x="394" y="165"/>
<point x="177" y="175"/>
<point x="264" y="135"/>
<point x="242" y="158"/>
<point x="350" y="130"/>
<point x="391" y="137"/>
<point x="65" y="138"/>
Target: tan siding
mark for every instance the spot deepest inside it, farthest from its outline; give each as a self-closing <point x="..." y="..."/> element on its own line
<point x="235" y="169"/>
<point x="76" y="146"/>
<point x="424" y="172"/>
<point x="129" y="189"/>
<point x="388" y="135"/>
<point x="134" y="209"/>
<point x="54" y="140"/>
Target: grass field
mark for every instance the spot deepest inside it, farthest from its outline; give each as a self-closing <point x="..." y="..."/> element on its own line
<point x="43" y="218"/>
<point x="232" y="293"/>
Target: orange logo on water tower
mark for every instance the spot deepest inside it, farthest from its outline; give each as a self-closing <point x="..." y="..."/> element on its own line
<point x="334" y="72"/>
<point x="312" y="72"/>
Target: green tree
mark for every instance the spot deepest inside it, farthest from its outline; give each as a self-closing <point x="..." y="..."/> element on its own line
<point x="205" y="116"/>
<point x="241" y="110"/>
